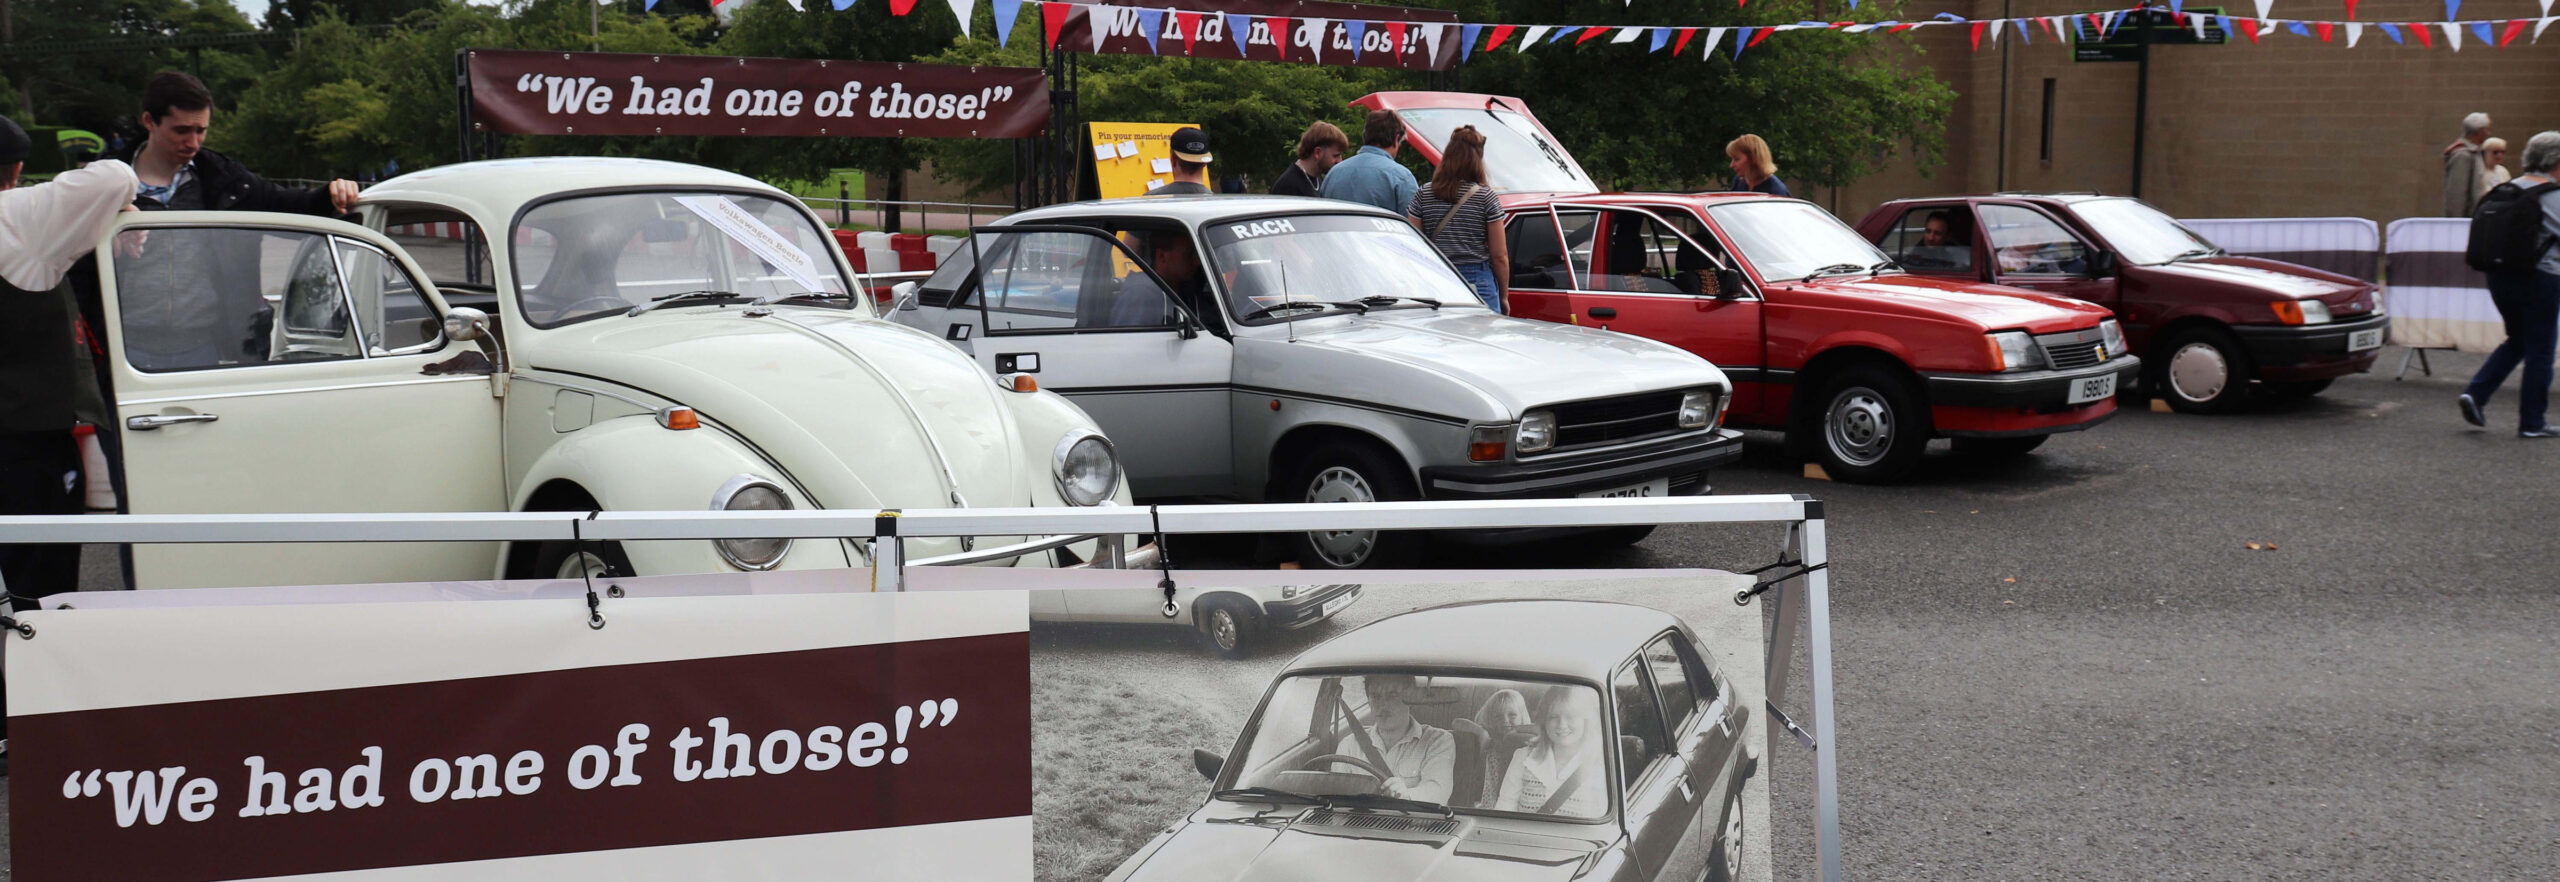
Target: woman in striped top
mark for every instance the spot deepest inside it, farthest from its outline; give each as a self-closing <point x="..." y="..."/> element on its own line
<point x="1458" y="213"/>
<point x="1564" y="773"/>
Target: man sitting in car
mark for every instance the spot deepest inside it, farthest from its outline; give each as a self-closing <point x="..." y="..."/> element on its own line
<point x="1941" y="245"/>
<point x="1421" y="756"/>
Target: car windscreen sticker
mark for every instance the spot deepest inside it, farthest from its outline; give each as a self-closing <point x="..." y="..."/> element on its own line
<point x="1250" y="229"/>
<point x="768" y="244"/>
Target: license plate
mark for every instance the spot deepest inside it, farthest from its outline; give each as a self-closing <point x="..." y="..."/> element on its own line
<point x="1646" y="490"/>
<point x="2088" y="389"/>
<point x="1333" y="606"/>
<point x="2369" y="338"/>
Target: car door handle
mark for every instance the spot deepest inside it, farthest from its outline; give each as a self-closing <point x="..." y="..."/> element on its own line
<point x="1687" y="793"/>
<point x="1604" y="312"/>
<point x="155" y="421"/>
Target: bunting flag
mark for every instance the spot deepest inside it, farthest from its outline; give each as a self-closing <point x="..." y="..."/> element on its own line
<point x="841" y="5"/>
<point x="2199" y="22"/>
<point x="1395" y="37"/>
<point x="1977" y="36"/>
<point x="1053" y="16"/>
<point x="1628" y="35"/>
<point x="2480" y="29"/>
<point x="1662" y="36"/>
<point x="2178" y="8"/>
<point x="1006" y="12"/>
<point x="2538" y="26"/>
<point x="1500" y="33"/>
<point x="959" y="10"/>
<point x="1357" y="31"/>
<point x="2514" y="26"/>
<point x="1278" y="27"/>
<point x="1562" y="31"/>
<point x="1739" y="36"/>
<point x="1467" y="42"/>
<point x="2393" y="31"/>
<point x="2265" y="6"/>
<point x="2452" y="35"/>
<point x="1531" y="38"/>
<point x="1588" y="34"/>
<point x="2024" y="38"/>
<point x="1101" y="20"/>
<point x="2324" y="32"/>
<point x="1714" y="36"/>
<point x="1686" y="33"/>
<point x="795" y="4"/>
<point x="1314" y="30"/>
<point x="1189" y="24"/>
<point x="2450" y="7"/>
<point x="1240" y="29"/>
<point x="2426" y="36"/>
<point x="2298" y="28"/>
<point x="901" y="7"/>
<point x="2355" y="31"/>
<point x="2546" y="13"/>
<point x="1762" y="35"/>
<point x="2351" y="12"/>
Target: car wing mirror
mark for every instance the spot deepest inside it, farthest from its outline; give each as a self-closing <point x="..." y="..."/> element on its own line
<point x="2102" y="264"/>
<point x="1728" y="284"/>
<point x="466" y="324"/>
<point x="1209" y="764"/>
<point x="1189" y="328"/>
<point x="902" y="296"/>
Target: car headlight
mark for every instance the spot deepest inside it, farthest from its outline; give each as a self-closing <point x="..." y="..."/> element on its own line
<point x="1537" y="431"/>
<point x="751" y="493"/>
<point x="1086" y="466"/>
<point x="1698" y="409"/>
<point x="2016" y="351"/>
<point x="2113" y="335"/>
<point x="2301" y="312"/>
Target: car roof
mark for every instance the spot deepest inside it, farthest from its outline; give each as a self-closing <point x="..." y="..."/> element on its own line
<point x="496" y="188"/>
<point x="1583" y="639"/>
<point x="1196" y="210"/>
<point x="1641" y="198"/>
<point x="2057" y="198"/>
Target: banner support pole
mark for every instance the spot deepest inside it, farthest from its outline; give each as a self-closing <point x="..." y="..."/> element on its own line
<point x="1826" y="758"/>
<point x="888" y="554"/>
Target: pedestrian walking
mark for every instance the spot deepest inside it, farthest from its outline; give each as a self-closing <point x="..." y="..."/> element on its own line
<point x="1190" y="164"/>
<point x="1461" y="217"/>
<point x="2463" y="169"/>
<point x="1372" y="176"/>
<point x="1318" y="151"/>
<point x="2493" y="158"/>
<point x="1754" y="170"/>
<point x="2518" y="231"/>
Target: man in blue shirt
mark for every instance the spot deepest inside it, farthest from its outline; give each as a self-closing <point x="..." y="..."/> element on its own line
<point x="1372" y="175"/>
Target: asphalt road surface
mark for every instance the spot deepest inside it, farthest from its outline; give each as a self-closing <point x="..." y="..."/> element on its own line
<point x="2071" y="666"/>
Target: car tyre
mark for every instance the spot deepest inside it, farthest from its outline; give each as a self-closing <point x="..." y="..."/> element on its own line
<point x="1997" y="447"/>
<point x="573" y="560"/>
<point x="1230" y="627"/>
<point x="2202" y="369"/>
<point x="1725" y="863"/>
<point x="2296" y="389"/>
<point x="1354" y="472"/>
<point x="1868" y="425"/>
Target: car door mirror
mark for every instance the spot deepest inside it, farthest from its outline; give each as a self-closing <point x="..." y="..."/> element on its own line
<point x="1208" y="763"/>
<point x="1189" y="327"/>
<point x="1728" y="284"/>
<point x="902" y="296"/>
<point x="2102" y="264"/>
<point x="466" y="324"/>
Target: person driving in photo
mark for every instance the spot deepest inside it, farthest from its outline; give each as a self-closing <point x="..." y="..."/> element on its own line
<point x="1564" y="773"/>
<point x="1421" y="756"/>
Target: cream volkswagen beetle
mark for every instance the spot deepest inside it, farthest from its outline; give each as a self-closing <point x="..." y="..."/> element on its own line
<point x="560" y="334"/>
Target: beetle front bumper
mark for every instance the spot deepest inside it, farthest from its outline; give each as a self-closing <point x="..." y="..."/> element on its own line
<point x="1684" y="461"/>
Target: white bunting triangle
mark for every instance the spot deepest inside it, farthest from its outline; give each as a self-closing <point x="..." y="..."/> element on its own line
<point x="959" y="9"/>
<point x="1431" y="39"/>
<point x="795" y="5"/>
<point x="2538" y="26"/>
<point x="2546" y="8"/>
<point x="2264" y="6"/>
<point x="1535" y="34"/>
<point x="1627" y="35"/>
<point x="1714" y="36"/>
<point x="1315" y="30"/>
<point x="2452" y="34"/>
<point x="2355" y="31"/>
<point x="2199" y="21"/>
<point x="1101" y="20"/>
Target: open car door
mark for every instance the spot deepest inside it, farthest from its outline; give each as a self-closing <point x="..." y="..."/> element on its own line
<point x="270" y="363"/>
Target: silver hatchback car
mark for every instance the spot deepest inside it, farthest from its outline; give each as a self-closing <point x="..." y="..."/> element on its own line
<point x="1308" y="350"/>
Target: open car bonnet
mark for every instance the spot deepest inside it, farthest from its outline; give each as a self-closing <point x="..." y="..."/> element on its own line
<point x="1325" y="844"/>
<point x="1521" y="156"/>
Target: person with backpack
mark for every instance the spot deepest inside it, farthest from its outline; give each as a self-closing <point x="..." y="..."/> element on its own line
<point x="2515" y="239"/>
<point x="1461" y="217"/>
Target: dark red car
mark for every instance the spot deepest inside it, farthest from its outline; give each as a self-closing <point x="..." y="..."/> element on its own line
<point x="2206" y="323"/>
<point x="1823" y="338"/>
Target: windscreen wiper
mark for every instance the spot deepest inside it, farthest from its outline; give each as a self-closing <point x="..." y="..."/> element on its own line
<point x="771" y="299"/>
<point x="706" y="296"/>
<point x="1879" y="269"/>
<point x="2195" y="252"/>
<point x="1381" y="800"/>
<point x="1388" y="299"/>
<point x="1266" y="794"/>
<point x="1305" y="304"/>
<point x="1835" y="268"/>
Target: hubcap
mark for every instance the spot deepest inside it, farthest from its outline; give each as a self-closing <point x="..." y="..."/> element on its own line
<point x="1222" y="628"/>
<point x="1342" y="548"/>
<point x="582" y="565"/>
<point x="2198" y="371"/>
<point x="1859" y="426"/>
<point x="1733" y="841"/>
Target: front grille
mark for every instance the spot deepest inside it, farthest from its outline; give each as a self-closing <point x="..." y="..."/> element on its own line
<point x="1381" y="823"/>
<point x="1612" y="420"/>
<point x="2073" y="349"/>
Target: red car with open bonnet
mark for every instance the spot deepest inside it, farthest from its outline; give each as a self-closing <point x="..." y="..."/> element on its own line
<point x="1824" y="337"/>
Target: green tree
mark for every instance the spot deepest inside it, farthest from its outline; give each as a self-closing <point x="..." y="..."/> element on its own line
<point x="83" y="62"/>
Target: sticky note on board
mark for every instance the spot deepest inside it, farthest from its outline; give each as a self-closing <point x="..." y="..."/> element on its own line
<point x="1128" y="149"/>
<point x="1164" y="166"/>
<point x="1153" y="184"/>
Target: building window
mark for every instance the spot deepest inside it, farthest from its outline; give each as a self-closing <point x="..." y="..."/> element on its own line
<point x="2044" y="148"/>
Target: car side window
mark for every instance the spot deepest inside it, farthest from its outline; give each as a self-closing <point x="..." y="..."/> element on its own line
<point x="1045" y="281"/>
<point x="451" y="249"/>
<point x="1537" y="254"/>
<point x="1932" y="239"/>
<point x="393" y="314"/>
<point x="192" y="298"/>
<point x="1677" y="676"/>
<point x="2026" y="242"/>
<point x="1641" y="736"/>
<point x="1641" y="256"/>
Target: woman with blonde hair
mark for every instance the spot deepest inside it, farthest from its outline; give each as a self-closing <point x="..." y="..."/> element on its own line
<point x="1503" y="726"/>
<point x="1564" y="773"/>
<point x="1754" y="169"/>
<point x="2493" y="162"/>
<point x="1458" y="213"/>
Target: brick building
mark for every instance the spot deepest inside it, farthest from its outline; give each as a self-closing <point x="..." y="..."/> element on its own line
<point x="2290" y="126"/>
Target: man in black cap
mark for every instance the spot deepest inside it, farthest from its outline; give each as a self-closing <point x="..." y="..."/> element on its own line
<point x="44" y="229"/>
<point x="1190" y="164"/>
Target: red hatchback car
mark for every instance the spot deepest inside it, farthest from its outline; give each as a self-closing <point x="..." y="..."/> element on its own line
<point x="2206" y="323"/>
<point x="1859" y="362"/>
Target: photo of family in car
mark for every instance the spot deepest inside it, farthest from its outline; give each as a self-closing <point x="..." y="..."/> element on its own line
<point x="1567" y="730"/>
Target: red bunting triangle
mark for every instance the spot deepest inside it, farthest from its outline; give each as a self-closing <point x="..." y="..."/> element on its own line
<point x="2324" y="31"/>
<point x="1278" y="25"/>
<point x="2514" y="26"/>
<point x="1977" y="36"/>
<point x="2425" y="35"/>
<point x="1189" y="22"/>
<point x="1500" y="33"/>
<point x="2248" y="26"/>
<point x="2351" y="10"/>
<point x="1683" y="45"/>
<point x="2098" y="22"/>
<point x="1395" y="34"/>
<point x="1896" y="29"/>
<point x="901" y="7"/>
<point x="1756" y="38"/>
<point x="1587" y="34"/>
<point x="1053" y="16"/>
<point x="2045" y="23"/>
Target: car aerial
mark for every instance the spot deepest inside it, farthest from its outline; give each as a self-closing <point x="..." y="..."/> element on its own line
<point x="2206" y="323"/>
<point x="1231" y="620"/>
<point x="1324" y="353"/>
<point x="553" y="335"/>
<point x="1824" y="338"/>
<point x="1513" y="740"/>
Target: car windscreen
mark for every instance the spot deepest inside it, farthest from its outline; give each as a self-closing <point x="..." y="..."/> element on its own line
<point x="1265" y="262"/>
<point x="1538" y="748"/>
<point x="2139" y="233"/>
<point x="588" y="256"/>
<point x="1517" y="157"/>
<point x="1786" y="239"/>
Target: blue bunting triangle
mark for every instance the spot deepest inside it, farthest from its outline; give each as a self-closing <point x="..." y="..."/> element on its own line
<point x="1741" y="39"/>
<point x="2177" y="7"/>
<point x="2449" y="8"/>
<point x="2080" y="29"/>
<point x="1560" y="32"/>
<point x="2297" y="28"/>
<point x="2480" y="29"/>
<point x="1355" y="29"/>
<point x="1005" y="12"/>
<point x="2223" y="22"/>
<point x="2394" y="31"/>
<point x="1151" y="20"/>
<point x="1660" y="36"/>
<point x="1468" y="48"/>
<point x="2024" y="36"/>
<point x="1239" y="29"/>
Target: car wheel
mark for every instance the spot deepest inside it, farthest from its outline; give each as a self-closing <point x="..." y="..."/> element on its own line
<point x="2202" y="370"/>
<point x="1621" y="537"/>
<point x="569" y="560"/>
<point x="2296" y="389"/>
<point x="1229" y="627"/>
<point x="1996" y="447"/>
<point x="1873" y="426"/>
<point x="1728" y="854"/>
<point x="1342" y="472"/>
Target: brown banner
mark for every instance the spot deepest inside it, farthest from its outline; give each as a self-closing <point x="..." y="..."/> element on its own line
<point x="587" y="759"/>
<point x="1310" y="32"/>
<point x="604" y="93"/>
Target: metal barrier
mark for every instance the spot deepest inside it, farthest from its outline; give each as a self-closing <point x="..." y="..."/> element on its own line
<point x="844" y="207"/>
<point x="1797" y="587"/>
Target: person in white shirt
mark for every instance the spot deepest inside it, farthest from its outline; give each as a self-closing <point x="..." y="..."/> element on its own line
<point x="1421" y="756"/>
<point x="1564" y="773"/>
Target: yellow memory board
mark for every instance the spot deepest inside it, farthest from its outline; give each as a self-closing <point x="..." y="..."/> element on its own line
<point x="1118" y="176"/>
